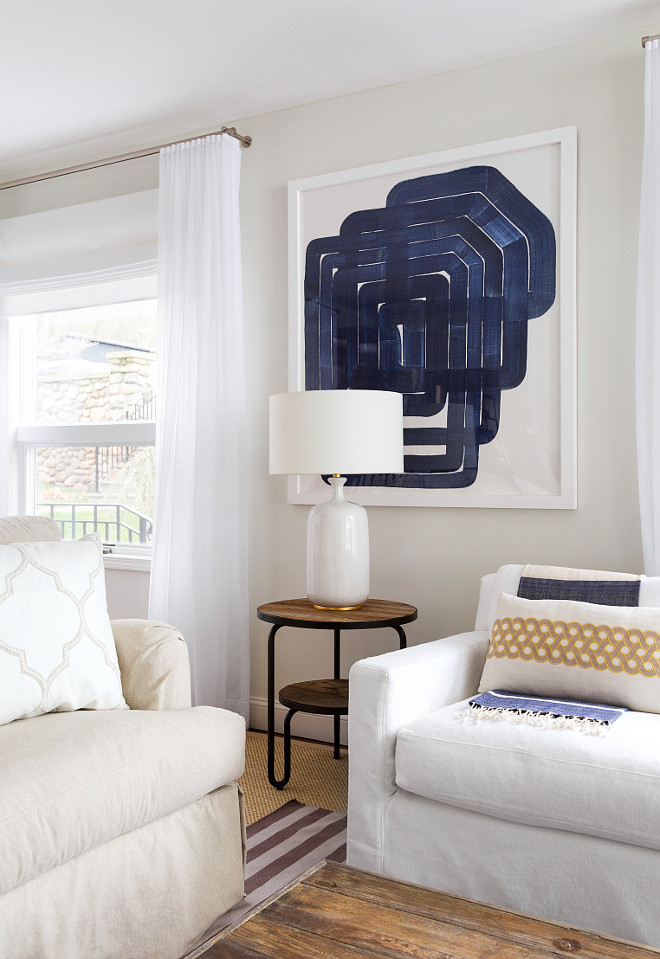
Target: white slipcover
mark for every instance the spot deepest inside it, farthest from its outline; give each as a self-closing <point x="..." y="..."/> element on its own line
<point x="73" y="781"/>
<point x="122" y="832"/>
<point x="560" y="825"/>
<point x="557" y="778"/>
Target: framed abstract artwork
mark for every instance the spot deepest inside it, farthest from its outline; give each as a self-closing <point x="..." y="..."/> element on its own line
<point x="449" y="278"/>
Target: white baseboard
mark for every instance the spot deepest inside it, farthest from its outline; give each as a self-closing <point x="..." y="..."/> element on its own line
<point x="304" y="725"/>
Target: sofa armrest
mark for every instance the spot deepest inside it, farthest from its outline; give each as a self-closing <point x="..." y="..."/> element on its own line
<point x="385" y="693"/>
<point x="154" y="664"/>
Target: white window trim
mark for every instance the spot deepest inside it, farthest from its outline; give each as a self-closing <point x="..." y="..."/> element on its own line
<point x="140" y="433"/>
<point x="119" y="557"/>
<point x="134" y="282"/>
<point x="135" y="433"/>
<point x="126" y="433"/>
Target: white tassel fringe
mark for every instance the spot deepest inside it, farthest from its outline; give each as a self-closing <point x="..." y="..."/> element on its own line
<point x="545" y="720"/>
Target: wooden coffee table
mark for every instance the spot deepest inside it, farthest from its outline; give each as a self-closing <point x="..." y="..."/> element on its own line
<point x="336" y="912"/>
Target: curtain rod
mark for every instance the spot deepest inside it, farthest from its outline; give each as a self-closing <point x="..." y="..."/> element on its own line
<point x="656" y="36"/>
<point x="152" y="151"/>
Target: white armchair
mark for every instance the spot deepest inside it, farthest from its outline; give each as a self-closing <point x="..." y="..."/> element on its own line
<point x="553" y="822"/>
<point x="122" y="831"/>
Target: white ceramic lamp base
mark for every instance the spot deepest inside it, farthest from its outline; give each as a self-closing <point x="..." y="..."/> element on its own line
<point x="338" y="552"/>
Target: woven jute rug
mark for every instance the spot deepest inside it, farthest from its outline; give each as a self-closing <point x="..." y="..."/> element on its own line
<point x="280" y="848"/>
<point x="316" y="778"/>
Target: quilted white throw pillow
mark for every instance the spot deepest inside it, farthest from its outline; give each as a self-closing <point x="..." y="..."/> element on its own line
<point x="57" y="651"/>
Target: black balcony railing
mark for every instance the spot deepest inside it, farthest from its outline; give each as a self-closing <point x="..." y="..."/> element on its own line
<point x="144" y="410"/>
<point x="110" y="458"/>
<point x="114" y="522"/>
<point x="107" y="459"/>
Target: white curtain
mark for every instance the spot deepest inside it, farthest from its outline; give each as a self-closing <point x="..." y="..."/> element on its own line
<point x="199" y="567"/>
<point x="648" y="320"/>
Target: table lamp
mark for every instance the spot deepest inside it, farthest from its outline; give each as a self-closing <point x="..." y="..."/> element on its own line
<point x="335" y="432"/>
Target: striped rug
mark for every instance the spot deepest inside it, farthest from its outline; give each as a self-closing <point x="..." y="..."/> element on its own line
<point x="287" y="842"/>
<point x="280" y="847"/>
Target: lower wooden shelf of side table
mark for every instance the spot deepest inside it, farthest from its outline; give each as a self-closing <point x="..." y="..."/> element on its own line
<point x="317" y="696"/>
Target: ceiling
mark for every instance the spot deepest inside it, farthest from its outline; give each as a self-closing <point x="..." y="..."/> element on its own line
<point x="84" y="80"/>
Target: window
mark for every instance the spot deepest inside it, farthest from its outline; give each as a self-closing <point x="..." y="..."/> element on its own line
<point x="85" y="409"/>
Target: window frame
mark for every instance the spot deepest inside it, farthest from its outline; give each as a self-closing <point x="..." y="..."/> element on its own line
<point x="29" y="438"/>
<point x="26" y="438"/>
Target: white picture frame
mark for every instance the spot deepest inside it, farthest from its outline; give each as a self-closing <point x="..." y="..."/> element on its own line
<point x="531" y="462"/>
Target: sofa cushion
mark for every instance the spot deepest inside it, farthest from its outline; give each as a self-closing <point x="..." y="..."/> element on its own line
<point x="594" y="653"/>
<point x="57" y="651"/>
<point x="603" y="785"/>
<point x="71" y="781"/>
<point x="507" y="580"/>
<point x="579" y="585"/>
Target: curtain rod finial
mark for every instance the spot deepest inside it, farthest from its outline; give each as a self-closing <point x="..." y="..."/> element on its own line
<point x="245" y="140"/>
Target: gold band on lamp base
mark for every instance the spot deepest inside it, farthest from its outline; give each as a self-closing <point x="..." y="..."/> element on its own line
<point x="339" y="609"/>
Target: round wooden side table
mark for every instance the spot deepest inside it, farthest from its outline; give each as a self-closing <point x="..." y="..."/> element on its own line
<point x="322" y="696"/>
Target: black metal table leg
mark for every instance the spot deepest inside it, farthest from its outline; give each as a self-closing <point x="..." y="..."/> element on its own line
<point x="402" y="636"/>
<point x="287" y="750"/>
<point x="337" y="665"/>
<point x="277" y="783"/>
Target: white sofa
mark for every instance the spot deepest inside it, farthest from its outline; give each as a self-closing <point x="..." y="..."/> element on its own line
<point x="551" y="822"/>
<point x="121" y="832"/>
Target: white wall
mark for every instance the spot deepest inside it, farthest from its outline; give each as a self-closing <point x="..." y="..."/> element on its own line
<point x="127" y="592"/>
<point x="434" y="558"/>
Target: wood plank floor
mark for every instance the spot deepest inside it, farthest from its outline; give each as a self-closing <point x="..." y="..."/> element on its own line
<point x="337" y="912"/>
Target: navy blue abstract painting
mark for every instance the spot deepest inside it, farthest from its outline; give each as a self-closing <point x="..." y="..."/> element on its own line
<point x="431" y="296"/>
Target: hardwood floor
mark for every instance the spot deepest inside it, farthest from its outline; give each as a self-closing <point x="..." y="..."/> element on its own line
<point x="336" y="912"/>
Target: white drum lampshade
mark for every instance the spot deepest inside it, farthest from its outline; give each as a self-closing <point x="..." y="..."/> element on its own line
<point x="335" y="432"/>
